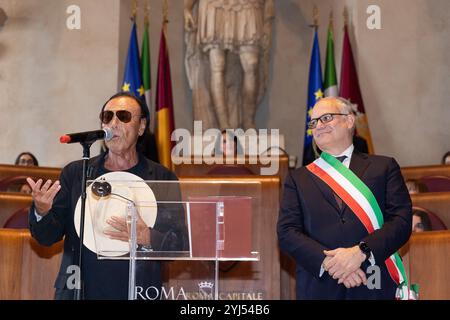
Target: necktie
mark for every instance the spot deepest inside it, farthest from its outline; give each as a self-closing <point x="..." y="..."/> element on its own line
<point x="339" y="200"/>
<point x="341" y="158"/>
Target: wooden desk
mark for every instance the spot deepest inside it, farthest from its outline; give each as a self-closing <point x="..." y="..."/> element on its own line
<point x="189" y="168"/>
<point x="10" y="203"/>
<point x="436" y="202"/>
<point x="414" y="173"/>
<point x="27" y="269"/>
<point x="427" y="262"/>
<point x="7" y="170"/>
<point x="244" y="279"/>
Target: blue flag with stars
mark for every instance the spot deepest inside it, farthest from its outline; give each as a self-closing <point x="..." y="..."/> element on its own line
<point x="132" y="79"/>
<point x="314" y="93"/>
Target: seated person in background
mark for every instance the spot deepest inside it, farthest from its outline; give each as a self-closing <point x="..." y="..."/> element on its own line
<point x="229" y="147"/>
<point x="26" y="159"/>
<point x="412" y="186"/>
<point x="415" y="186"/>
<point x="420" y="221"/>
<point x="446" y="158"/>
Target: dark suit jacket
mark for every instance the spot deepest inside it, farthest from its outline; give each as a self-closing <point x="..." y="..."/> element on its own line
<point x="169" y="231"/>
<point x="311" y="221"/>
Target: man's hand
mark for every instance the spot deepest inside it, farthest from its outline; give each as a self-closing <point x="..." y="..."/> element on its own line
<point x="343" y="262"/>
<point x="123" y="230"/>
<point x="355" y="279"/>
<point x="43" y="195"/>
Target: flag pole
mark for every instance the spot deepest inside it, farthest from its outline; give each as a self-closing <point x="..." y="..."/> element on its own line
<point x="146" y="14"/>
<point x="315" y="17"/>
<point x="345" y="14"/>
<point x="165" y="12"/>
<point x="134" y="10"/>
<point x="331" y="20"/>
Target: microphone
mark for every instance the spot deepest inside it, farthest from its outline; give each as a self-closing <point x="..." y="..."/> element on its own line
<point x="88" y="136"/>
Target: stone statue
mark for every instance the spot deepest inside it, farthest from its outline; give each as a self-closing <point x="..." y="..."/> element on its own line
<point x="227" y="59"/>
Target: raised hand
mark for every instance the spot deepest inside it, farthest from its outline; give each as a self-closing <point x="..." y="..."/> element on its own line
<point x="43" y="195"/>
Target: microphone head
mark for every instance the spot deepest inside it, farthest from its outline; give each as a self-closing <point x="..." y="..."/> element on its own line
<point x="64" y="139"/>
<point x="108" y="134"/>
<point x="101" y="188"/>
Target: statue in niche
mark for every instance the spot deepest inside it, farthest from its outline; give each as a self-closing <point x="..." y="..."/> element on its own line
<point x="227" y="59"/>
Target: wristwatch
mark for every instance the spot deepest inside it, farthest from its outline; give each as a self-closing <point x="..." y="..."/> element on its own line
<point x="365" y="249"/>
<point x="146" y="248"/>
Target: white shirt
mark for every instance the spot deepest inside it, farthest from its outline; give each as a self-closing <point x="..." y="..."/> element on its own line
<point x="348" y="153"/>
<point x="38" y="217"/>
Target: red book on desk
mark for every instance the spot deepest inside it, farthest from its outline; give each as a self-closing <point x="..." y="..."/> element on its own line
<point x="234" y="227"/>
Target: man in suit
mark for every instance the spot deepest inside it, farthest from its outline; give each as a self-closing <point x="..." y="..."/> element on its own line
<point x="52" y="214"/>
<point x="319" y="228"/>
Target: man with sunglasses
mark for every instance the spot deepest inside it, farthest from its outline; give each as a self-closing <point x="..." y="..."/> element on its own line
<point x="52" y="213"/>
<point x="343" y="217"/>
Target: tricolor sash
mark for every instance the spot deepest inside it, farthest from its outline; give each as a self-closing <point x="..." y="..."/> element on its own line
<point x="358" y="197"/>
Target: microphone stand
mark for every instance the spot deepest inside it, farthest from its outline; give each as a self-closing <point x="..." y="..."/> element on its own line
<point x="86" y="155"/>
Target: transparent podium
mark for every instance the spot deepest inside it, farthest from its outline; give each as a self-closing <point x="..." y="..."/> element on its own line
<point x="209" y="223"/>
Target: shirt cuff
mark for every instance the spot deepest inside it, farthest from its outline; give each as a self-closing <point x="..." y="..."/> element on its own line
<point x="322" y="270"/>
<point x="372" y="259"/>
<point x="38" y="217"/>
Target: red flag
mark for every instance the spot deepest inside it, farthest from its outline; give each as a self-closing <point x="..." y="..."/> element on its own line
<point x="349" y="89"/>
<point x="164" y="105"/>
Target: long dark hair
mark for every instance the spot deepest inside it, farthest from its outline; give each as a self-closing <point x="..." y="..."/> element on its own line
<point x="445" y="156"/>
<point x="425" y="219"/>
<point x="35" y="162"/>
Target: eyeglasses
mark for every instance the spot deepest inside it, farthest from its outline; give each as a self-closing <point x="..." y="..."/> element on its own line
<point x="26" y="162"/>
<point x="325" y="118"/>
<point x="123" y="115"/>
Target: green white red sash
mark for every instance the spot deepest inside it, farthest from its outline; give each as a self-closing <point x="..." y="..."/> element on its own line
<point x="358" y="197"/>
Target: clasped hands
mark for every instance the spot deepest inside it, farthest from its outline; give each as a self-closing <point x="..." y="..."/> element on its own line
<point x="343" y="264"/>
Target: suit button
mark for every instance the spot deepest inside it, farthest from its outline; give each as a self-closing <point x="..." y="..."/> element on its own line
<point x="343" y="220"/>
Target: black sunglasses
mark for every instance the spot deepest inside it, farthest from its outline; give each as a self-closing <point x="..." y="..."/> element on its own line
<point x="123" y="115"/>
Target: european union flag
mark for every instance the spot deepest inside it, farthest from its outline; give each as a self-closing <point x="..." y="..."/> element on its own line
<point x="132" y="80"/>
<point x="314" y="92"/>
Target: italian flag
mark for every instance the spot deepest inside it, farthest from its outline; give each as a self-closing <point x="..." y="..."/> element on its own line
<point x="146" y="73"/>
<point x="330" y="81"/>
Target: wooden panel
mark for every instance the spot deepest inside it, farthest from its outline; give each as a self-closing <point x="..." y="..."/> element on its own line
<point x="11" y="255"/>
<point x="10" y="203"/>
<point x="37" y="282"/>
<point x="423" y="171"/>
<point x="436" y="202"/>
<point x="202" y="169"/>
<point x="427" y="259"/>
<point x="27" y="269"/>
<point x="242" y="280"/>
<point x="7" y="170"/>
